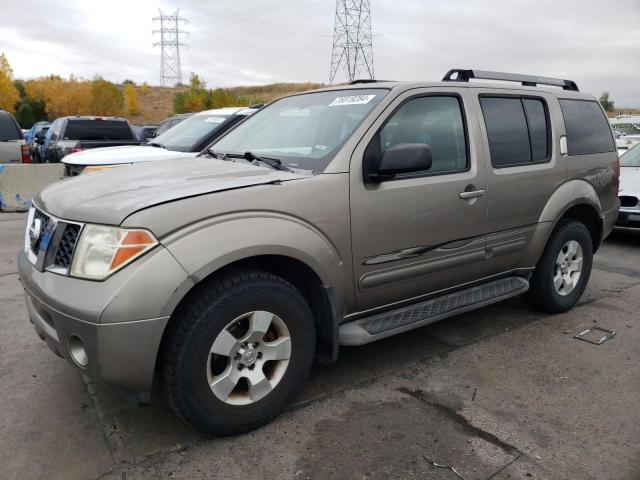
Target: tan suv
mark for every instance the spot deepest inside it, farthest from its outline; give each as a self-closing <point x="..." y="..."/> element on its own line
<point x="334" y="217"/>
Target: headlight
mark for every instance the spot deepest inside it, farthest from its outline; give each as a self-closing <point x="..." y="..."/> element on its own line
<point x="99" y="168"/>
<point x="101" y="250"/>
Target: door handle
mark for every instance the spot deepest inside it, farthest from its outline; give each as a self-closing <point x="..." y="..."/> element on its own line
<point x="472" y="194"/>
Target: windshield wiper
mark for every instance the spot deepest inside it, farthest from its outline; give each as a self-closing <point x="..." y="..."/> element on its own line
<point x="272" y="162"/>
<point x="156" y="144"/>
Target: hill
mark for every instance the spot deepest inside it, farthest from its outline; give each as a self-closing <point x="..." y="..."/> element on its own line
<point x="156" y="103"/>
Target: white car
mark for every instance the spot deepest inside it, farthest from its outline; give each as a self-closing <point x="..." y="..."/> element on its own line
<point x="629" y="193"/>
<point x="186" y="139"/>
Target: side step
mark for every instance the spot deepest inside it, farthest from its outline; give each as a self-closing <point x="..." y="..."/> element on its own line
<point x="382" y="325"/>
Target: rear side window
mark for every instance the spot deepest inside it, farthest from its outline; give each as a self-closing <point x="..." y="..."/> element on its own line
<point x="588" y="130"/>
<point x="9" y="129"/>
<point x="518" y="130"/>
<point x="98" y="130"/>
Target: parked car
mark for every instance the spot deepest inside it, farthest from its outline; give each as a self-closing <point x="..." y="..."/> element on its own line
<point x="171" y="122"/>
<point x="13" y="148"/>
<point x="144" y="132"/>
<point x="39" y="141"/>
<point x="36" y="139"/>
<point x="73" y="134"/>
<point x="629" y="217"/>
<point x="190" y="137"/>
<point x="333" y="217"/>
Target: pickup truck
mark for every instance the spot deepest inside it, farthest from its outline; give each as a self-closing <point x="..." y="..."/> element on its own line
<point x="13" y="148"/>
<point x="73" y="134"/>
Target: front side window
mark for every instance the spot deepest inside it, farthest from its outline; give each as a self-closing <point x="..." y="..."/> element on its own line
<point x="588" y="130"/>
<point x="303" y="131"/>
<point x="436" y="121"/>
<point x="517" y="130"/>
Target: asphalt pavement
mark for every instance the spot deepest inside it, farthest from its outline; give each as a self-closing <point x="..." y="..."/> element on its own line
<point x="499" y="393"/>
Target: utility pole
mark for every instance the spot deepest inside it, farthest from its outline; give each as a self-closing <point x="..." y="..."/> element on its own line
<point x="352" y="40"/>
<point x="170" y="31"/>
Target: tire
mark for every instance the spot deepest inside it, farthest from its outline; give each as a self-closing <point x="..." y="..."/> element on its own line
<point x="544" y="295"/>
<point x="219" y="307"/>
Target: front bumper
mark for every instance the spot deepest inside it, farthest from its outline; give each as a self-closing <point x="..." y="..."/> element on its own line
<point x="119" y="321"/>
<point x="628" y="219"/>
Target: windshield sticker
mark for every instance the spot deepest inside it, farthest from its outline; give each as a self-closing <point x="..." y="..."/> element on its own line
<point x="352" y="100"/>
<point x="214" y="119"/>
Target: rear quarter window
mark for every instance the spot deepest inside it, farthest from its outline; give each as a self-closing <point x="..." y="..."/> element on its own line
<point x="9" y="129"/>
<point x="588" y="130"/>
<point x="98" y="130"/>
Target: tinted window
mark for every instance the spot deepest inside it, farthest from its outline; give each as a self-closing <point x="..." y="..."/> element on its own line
<point x="538" y="132"/>
<point x="587" y="128"/>
<point x="98" y="130"/>
<point x="507" y="131"/>
<point x="9" y="128"/>
<point x="435" y="121"/>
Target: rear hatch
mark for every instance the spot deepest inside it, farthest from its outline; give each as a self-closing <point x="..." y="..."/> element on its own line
<point x="11" y="140"/>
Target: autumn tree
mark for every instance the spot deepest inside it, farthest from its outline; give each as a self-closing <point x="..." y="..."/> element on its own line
<point x="131" y="103"/>
<point x="62" y="97"/>
<point x="106" y="98"/>
<point x="144" y="89"/>
<point x="9" y="94"/>
<point x="194" y="99"/>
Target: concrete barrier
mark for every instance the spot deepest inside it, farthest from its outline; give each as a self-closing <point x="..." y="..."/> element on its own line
<point x="20" y="183"/>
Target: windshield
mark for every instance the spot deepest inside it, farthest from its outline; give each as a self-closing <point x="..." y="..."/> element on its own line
<point x="304" y="131"/>
<point x="631" y="158"/>
<point x="184" y="136"/>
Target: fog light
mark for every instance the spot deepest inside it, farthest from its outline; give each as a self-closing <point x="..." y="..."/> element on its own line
<point x="77" y="351"/>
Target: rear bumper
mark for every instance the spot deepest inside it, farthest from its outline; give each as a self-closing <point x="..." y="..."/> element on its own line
<point x="609" y="219"/>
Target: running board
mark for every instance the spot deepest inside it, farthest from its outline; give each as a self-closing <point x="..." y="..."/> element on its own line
<point x="382" y="325"/>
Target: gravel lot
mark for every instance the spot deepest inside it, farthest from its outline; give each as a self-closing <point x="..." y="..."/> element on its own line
<point x="501" y="393"/>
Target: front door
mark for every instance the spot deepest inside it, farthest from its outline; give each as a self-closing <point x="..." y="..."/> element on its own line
<point x="423" y="232"/>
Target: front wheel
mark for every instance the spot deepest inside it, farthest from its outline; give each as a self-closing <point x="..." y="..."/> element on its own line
<point x="237" y="353"/>
<point x="564" y="269"/>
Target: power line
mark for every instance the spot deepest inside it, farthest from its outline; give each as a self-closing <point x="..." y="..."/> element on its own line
<point x="352" y="40"/>
<point x="170" y="31"/>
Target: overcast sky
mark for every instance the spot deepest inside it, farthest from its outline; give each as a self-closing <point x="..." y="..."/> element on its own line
<point x="239" y="42"/>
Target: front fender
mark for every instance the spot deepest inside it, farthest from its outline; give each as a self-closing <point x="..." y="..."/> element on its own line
<point x="207" y="246"/>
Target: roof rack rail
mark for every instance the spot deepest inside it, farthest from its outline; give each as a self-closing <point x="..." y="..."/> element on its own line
<point x="366" y="80"/>
<point x="462" y="75"/>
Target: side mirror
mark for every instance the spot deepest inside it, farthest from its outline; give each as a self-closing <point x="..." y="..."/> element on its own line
<point x="403" y="158"/>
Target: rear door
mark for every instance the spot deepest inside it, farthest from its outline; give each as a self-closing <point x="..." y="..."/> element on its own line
<point x="416" y="234"/>
<point x="524" y="167"/>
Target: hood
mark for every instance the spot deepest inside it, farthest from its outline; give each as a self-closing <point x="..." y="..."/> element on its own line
<point x="120" y="155"/>
<point x="630" y="181"/>
<point x="109" y="197"/>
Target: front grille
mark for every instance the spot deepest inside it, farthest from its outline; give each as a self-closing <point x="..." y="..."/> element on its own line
<point x="66" y="245"/>
<point x="50" y="242"/>
<point x="628" y="201"/>
<point x="73" y="170"/>
<point x="45" y="220"/>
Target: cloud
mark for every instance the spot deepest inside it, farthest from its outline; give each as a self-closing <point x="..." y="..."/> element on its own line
<point x="257" y="41"/>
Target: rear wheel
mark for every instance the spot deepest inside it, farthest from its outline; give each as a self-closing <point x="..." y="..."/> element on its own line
<point x="564" y="269"/>
<point x="237" y="353"/>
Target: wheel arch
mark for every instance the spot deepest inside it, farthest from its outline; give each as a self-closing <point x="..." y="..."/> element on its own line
<point x="576" y="199"/>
